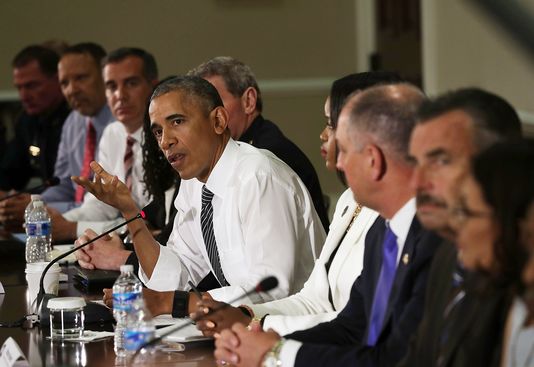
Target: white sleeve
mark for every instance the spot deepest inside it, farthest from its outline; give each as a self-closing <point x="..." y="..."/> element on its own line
<point x="288" y="353"/>
<point x="277" y="247"/>
<point x="284" y="325"/>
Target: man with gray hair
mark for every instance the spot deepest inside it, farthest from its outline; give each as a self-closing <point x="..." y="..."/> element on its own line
<point x="241" y="96"/>
<point x="386" y="301"/>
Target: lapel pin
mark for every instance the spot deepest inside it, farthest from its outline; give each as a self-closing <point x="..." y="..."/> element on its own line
<point x="345" y="210"/>
<point x="405" y="259"/>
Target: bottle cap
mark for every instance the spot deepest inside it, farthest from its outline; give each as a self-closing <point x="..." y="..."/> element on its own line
<point x="65" y="303"/>
<point x="35" y="197"/>
<point x="38" y="204"/>
<point x="126" y="268"/>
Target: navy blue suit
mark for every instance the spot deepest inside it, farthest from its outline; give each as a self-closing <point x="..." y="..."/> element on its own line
<point x="342" y="341"/>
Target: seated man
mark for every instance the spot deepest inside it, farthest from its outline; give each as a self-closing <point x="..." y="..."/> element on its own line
<point x="129" y="76"/>
<point x="386" y="301"/>
<point x="80" y="76"/>
<point x="33" y="150"/>
<point x="242" y="214"/>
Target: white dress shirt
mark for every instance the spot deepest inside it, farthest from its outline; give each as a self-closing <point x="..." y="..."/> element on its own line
<point x="400" y="224"/>
<point x="95" y="214"/>
<point x="264" y="223"/>
<point x="519" y="346"/>
<point x="311" y="305"/>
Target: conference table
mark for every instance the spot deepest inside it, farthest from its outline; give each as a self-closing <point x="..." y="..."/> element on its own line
<point x="42" y="351"/>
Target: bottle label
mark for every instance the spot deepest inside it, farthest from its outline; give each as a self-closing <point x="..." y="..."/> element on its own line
<point x="136" y="338"/>
<point x="38" y="228"/>
<point x="124" y="301"/>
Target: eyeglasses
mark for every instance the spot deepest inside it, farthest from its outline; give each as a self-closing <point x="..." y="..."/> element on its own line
<point x="462" y="214"/>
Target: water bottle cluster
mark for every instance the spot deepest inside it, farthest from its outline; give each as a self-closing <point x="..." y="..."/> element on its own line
<point x="134" y="322"/>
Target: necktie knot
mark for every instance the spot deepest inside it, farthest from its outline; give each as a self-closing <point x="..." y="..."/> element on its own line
<point x="130" y="141"/>
<point x="207" y="195"/>
<point x="390" y="240"/>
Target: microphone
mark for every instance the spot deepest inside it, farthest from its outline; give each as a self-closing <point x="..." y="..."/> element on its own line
<point x="265" y="285"/>
<point x="53" y="181"/>
<point x="42" y="298"/>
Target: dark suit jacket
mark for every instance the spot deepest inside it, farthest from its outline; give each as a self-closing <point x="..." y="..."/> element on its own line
<point x="264" y="134"/>
<point x="342" y="341"/>
<point x="475" y="327"/>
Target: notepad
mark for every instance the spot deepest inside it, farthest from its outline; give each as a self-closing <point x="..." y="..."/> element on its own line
<point x="188" y="334"/>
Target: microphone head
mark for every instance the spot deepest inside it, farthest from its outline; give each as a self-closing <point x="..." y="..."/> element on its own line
<point x="267" y="284"/>
<point x="52" y="181"/>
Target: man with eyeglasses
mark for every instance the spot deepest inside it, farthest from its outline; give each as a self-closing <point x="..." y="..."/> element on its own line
<point x="451" y="129"/>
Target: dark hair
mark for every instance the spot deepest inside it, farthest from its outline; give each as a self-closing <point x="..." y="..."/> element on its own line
<point x="343" y="87"/>
<point x="158" y="174"/>
<point x="45" y="57"/>
<point x="493" y="117"/>
<point x="193" y="87"/>
<point x="505" y="173"/>
<point x="92" y="49"/>
<point x="388" y="113"/>
<point x="236" y="75"/>
<point x="150" y="69"/>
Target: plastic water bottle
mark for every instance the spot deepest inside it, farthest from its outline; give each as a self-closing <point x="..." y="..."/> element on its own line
<point x="29" y="208"/>
<point x="126" y="290"/>
<point x="39" y="230"/>
<point x="140" y="328"/>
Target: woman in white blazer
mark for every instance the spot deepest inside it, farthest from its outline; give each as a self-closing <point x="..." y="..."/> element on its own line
<point x="327" y="290"/>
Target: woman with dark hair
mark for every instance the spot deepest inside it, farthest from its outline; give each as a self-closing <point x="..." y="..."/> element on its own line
<point x="493" y="206"/>
<point x="327" y="290"/>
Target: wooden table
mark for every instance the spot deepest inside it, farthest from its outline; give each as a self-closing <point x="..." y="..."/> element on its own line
<point x="41" y="351"/>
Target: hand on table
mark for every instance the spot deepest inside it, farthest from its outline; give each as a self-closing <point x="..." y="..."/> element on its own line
<point x="243" y="347"/>
<point x="12" y="212"/>
<point x="106" y="253"/>
<point x="219" y="320"/>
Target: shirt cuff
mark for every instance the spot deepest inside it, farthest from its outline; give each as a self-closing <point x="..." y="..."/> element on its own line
<point x="180" y="304"/>
<point x="288" y="353"/>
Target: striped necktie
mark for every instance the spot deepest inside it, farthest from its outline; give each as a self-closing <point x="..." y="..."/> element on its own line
<point x="88" y="157"/>
<point x="128" y="162"/>
<point x="206" y="223"/>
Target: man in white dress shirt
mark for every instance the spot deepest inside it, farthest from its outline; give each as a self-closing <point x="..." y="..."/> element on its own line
<point x="242" y="214"/>
<point x="129" y="76"/>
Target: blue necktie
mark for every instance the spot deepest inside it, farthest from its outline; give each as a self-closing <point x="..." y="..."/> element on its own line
<point x="383" y="287"/>
<point x="206" y="223"/>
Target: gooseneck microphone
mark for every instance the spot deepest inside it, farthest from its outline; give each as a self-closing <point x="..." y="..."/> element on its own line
<point x="42" y="298"/>
<point x="265" y="285"/>
<point x="53" y="181"/>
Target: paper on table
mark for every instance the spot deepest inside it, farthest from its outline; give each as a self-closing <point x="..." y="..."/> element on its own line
<point x="187" y="334"/>
<point x="167" y="319"/>
<point x="89" y="336"/>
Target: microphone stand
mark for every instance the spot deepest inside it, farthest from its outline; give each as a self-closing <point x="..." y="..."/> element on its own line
<point x="43" y="298"/>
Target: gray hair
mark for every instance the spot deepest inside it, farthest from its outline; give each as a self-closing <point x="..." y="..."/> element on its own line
<point x="236" y="75"/>
<point x="388" y="113"/>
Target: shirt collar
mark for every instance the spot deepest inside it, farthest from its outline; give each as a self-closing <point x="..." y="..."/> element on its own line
<point x="222" y="173"/>
<point x="102" y="118"/>
<point x="401" y="222"/>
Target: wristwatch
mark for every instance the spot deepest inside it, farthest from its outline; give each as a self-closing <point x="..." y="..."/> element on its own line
<point x="272" y="358"/>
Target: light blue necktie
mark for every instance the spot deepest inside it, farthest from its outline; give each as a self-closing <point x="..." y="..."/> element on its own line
<point x="383" y="287"/>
